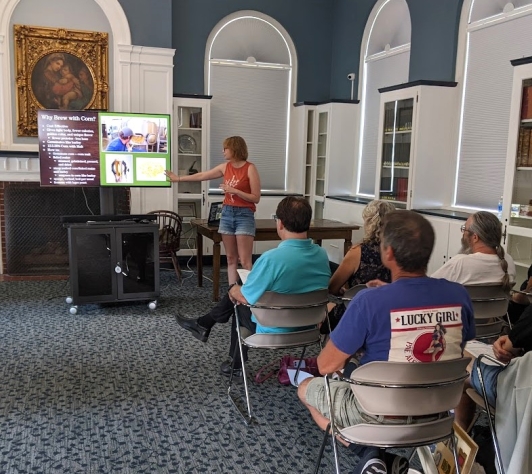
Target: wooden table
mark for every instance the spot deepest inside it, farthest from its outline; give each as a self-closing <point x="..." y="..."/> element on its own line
<point x="266" y="230"/>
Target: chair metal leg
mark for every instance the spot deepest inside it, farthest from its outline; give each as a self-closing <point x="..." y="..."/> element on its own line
<point x="333" y="428"/>
<point x="426" y="460"/>
<point x="322" y="449"/>
<point x="247" y="418"/>
<point x="455" y="453"/>
<point x="296" y="383"/>
<point x="498" y="456"/>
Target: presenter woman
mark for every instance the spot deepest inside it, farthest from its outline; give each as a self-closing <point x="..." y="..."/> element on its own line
<point x="241" y="185"/>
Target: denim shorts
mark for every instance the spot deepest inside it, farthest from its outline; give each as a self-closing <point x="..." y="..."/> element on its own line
<point x="489" y="375"/>
<point x="237" y="221"/>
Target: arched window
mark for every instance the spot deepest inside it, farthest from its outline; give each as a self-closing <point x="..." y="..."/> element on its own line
<point x="385" y="60"/>
<point x="492" y="32"/>
<point x="250" y="65"/>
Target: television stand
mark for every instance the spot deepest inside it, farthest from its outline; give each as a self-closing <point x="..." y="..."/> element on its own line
<point x="113" y="261"/>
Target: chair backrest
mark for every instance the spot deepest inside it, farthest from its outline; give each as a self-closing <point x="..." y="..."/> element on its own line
<point x="490" y="304"/>
<point x="350" y="293"/>
<point x="291" y="310"/>
<point x="170" y="226"/>
<point x="409" y="389"/>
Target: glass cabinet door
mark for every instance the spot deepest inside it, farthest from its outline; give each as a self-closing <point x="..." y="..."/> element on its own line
<point x="140" y="270"/>
<point x="396" y="145"/>
<point x="521" y="210"/>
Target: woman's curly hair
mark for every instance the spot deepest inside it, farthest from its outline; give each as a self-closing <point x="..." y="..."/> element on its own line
<point x="372" y="215"/>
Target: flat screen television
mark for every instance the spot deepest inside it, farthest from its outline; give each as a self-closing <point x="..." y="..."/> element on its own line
<point x="90" y="148"/>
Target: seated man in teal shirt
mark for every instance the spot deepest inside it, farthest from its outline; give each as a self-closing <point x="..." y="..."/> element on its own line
<point x="296" y="266"/>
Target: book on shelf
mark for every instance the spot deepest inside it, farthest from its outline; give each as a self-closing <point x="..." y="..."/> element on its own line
<point x="526" y="103"/>
<point x="524" y="144"/>
<point x="527" y="147"/>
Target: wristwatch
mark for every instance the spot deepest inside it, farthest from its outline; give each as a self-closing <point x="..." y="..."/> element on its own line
<point x="231" y="286"/>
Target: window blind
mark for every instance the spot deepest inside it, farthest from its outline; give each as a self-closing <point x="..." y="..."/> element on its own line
<point x="388" y="71"/>
<point x="252" y="102"/>
<point x="486" y="110"/>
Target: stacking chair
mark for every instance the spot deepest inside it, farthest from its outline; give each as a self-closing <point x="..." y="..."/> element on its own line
<point x="482" y="402"/>
<point x="281" y="311"/>
<point x="402" y="389"/>
<point x="170" y="226"/>
<point x="490" y="306"/>
<point x="348" y="295"/>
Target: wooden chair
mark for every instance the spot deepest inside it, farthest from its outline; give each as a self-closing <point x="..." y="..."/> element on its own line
<point x="170" y="227"/>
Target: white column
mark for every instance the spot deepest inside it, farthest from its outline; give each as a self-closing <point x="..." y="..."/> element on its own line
<point x="146" y="85"/>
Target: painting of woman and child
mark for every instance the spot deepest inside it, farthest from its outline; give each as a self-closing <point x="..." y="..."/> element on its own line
<point x="62" y="81"/>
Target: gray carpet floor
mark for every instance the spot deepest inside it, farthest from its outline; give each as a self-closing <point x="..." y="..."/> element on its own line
<point x="122" y="389"/>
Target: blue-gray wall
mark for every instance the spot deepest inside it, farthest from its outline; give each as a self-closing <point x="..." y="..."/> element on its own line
<point x="349" y="21"/>
<point x="434" y="38"/>
<point x="150" y="22"/>
<point x="327" y="35"/>
<point x="308" y="22"/>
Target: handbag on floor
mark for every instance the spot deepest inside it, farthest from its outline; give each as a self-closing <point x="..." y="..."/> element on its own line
<point x="308" y="365"/>
<point x="281" y="367"/>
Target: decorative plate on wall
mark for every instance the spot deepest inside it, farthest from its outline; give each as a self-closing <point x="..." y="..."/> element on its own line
<point x="186" y="144"/>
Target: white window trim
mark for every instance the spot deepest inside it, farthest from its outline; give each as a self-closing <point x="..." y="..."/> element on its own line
<point x="462" y="52"/>
<point x="260" y="16"/>
<point x="362" y="74"/>
<point x="291" y="67"/>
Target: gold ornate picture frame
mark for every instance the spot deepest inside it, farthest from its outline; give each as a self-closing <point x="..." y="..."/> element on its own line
<point x="56" y="68"/>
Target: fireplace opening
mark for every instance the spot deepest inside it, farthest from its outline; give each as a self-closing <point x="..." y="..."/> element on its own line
<point x="35" y="241"/>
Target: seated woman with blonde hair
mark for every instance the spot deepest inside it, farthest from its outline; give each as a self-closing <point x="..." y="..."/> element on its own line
<point x="362" y="263"/>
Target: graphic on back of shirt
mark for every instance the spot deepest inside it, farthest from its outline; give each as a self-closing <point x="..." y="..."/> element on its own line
<point x="426" y="334"/>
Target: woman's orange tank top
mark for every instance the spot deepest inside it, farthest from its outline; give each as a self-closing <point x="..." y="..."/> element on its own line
<point x="238" y="178"/>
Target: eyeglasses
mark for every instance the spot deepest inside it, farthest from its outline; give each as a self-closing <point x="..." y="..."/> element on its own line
<point x="274" y="217"/>
<point x="463" y="228"/>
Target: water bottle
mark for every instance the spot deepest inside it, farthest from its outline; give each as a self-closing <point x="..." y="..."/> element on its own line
<point x="499" y="209"/>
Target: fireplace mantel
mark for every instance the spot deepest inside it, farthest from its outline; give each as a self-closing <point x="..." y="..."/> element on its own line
<point x="19" y="166"/>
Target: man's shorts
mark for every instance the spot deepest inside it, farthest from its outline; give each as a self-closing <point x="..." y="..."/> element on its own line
<point x="345" y="406"/>
<point x="237" y="221"/>
<point x="489" y="375"/>
<point x="347" y="410"/>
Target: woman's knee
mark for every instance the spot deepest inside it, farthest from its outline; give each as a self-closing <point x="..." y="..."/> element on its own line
<point x="232" y="260"/>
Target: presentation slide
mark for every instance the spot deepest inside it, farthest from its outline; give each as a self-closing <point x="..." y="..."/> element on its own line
<point x="134" y="149"/>
<point x="69" y="148"/>
<point x="89" y="148"/>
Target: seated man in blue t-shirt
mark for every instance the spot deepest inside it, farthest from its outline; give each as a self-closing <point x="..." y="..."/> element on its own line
<point x="413" y="319"/>
<point x="296" y="266"/>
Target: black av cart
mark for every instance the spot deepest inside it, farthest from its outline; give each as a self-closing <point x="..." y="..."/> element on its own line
<point x="112" y="259"/>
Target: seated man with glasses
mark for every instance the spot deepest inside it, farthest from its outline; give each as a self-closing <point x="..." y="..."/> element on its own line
<point x="482" y="259"/>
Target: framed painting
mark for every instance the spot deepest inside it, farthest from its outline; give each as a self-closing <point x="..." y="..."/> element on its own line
<point x="59" y="69"/>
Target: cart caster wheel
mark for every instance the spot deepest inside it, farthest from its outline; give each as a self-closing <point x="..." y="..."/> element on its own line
<point x="73" y="310"/>
<point x="152" y="305"/>
<point x="69" y="299"/>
